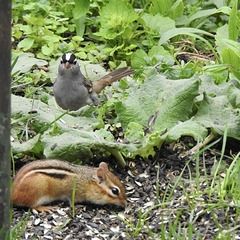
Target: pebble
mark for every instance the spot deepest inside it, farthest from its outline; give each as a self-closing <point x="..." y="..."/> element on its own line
<point x="37" y="221"/>
<point x="94" y="225"/>
<point x="100" y="222"/>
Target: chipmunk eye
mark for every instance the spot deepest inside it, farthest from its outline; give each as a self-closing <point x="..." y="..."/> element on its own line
<point x="115" y="191"/>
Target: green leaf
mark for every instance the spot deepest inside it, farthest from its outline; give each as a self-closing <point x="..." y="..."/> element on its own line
<point x="26" y="29"/>
<point x="47" y="50"/>
<point x="211" y="89"/>
<point x="35" y="21"/>
<point x="177" y="9"/>
<point x="29" y="6"/>
<point x="231" y="58"/>
<point x="170" y="100"/>
<point x="160" y="51"/>
<point x="77" y="38"/>
<point x="22" y="106"/>
<point x="80" y="26"/>
<point x="137" y="59"/>
<point x="216" y="68"/>
<point x="218" y="167"/>
<point x="233" y="22"/>
<point x="26" y="43"/>
<point x="219" y="3"/>
<point x="200" y="14"/>
<point x="236" y="73"/>
<point x="207" y="12"/>
<point x="222" y="33"/>
<point x="77" y="144"/>
<point x="72" y="145"/>
<point x="181" y="31"/>
<point x="216" y="112"/>
<point x="140" y="58"/>
<point x="233" y="94"/>
<point x="230" y="52"/>
<point x="187" y="128"/>
<point x="115" y="18"/>
<point x="158" y="23"/>
<point x="161" y="6"/>
<point x="193" y="32"/>
<point x="81" y="8"/>
<point x="32" y="146"/>
<point x="234" y="45"/>
<point x="26" y="61"/>
<point x="71" y="137"/>
<point x="135" y="132"/>
<point x="147" y="147"/>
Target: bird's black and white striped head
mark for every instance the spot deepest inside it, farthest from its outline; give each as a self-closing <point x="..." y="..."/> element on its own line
<point x="68" y="58"/>
<point x="68" y="65"/>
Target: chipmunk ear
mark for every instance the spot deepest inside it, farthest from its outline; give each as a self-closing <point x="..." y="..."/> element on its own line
<point x="104" y="166"/>
<point x="101" y="175"/>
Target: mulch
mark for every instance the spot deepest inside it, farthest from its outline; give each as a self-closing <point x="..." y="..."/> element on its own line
<point x="148" y="182"/>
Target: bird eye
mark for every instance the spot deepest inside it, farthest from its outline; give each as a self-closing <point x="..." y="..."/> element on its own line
<point x="74" y="62"/>
<point x="61" y="61"/>
<point x="115" y="191"/>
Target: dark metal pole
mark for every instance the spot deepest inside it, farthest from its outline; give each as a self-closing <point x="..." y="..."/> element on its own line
<point x="5" y="79"/>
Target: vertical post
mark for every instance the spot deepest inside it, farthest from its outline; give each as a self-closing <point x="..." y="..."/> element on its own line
<point x="5" y="80"/>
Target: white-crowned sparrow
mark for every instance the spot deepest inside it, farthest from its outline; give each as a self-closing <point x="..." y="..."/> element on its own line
<point x="73" y="91"/>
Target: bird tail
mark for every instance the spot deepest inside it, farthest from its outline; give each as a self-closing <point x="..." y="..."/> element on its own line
<point x="117" y="74"/>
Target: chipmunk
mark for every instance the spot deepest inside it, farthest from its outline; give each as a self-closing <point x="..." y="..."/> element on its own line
<point x="43" y="181"/>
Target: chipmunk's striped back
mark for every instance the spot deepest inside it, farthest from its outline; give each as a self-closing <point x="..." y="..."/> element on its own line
<point x="43" y="181"/>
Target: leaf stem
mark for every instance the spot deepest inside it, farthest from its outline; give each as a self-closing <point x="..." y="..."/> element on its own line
<point x="117" y="155"/>
<point x="207" y="140"/>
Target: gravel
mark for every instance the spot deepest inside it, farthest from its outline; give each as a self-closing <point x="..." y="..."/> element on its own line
<point x="142" y="187"/>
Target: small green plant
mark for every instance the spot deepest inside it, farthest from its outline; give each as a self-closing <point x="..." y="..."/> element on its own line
<point x="222" y="192"/>
<point x="17" y="230"/>
<point x="73" y="197"/>
<point x="135" y="229"/>
<point x="230" y="186"/>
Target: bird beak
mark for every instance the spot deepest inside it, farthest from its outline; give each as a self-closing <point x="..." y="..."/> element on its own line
<point x="67" y="65"/>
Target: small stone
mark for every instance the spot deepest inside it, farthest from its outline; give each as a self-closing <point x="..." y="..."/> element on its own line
<point x="37" y="221"/>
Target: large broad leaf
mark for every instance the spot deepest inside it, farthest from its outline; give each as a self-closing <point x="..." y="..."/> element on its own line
<point x="71" y="137"/>
<point x="160" y="110"/>
<point x="187" y="128"/>
<point x="32" y="146"/>
<point x="217" y="113"/>
<point x="170" y="100"/>
<point x="79" y="144"/>
<point x="25" y="62"/>
<point x="219" y="106"/>
<point x="40" y="115"/>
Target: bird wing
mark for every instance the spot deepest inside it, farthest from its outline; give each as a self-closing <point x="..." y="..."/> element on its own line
<point x="106" y="80"/>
